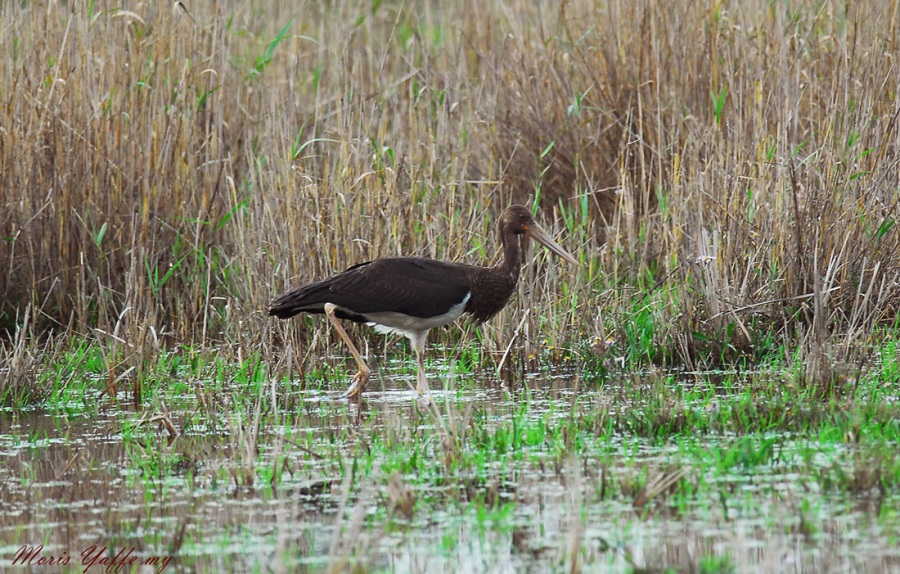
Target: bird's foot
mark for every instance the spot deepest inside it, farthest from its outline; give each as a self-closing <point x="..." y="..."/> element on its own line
<point x="357" y="386"/>
<point x="425" y="402"/>
<point x="423" y="393"/>
<point x="422" y="387"/>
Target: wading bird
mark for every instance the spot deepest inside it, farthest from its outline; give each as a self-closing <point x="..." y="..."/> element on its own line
<point x="410" y="295"/>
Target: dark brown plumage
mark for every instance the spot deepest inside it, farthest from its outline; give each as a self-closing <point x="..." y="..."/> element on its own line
<point x="410" y="295"/>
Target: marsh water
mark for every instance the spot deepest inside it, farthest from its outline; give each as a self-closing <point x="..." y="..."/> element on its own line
<point x="92" y="489"/>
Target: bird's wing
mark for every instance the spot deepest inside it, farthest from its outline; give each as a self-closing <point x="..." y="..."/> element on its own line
<point x="410" y="285"/>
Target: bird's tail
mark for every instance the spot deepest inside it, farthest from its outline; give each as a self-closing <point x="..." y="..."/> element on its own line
<point x="302" y="300"/>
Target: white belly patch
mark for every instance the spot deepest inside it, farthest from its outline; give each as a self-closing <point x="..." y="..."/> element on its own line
<point x="393" y="322"/>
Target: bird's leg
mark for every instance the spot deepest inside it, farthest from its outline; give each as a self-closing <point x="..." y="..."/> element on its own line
<point x="422" y="385"/>
<point x="419" y="345"/>
<point x="358" y="385"/>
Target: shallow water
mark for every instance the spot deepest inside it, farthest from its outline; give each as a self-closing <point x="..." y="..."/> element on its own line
<point x="83" y="482"/>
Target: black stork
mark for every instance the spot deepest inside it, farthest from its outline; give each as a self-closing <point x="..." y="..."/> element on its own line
<point x="410" y="295"/>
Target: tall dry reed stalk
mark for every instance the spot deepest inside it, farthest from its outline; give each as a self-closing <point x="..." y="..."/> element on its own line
<point x="729" y="173"/>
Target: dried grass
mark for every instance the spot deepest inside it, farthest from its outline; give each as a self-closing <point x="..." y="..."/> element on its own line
<point x="166" y="172"/>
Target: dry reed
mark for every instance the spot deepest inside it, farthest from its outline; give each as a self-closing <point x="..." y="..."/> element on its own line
<point x="727" y="171"/>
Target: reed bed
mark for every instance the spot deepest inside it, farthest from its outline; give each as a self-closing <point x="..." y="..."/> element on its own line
<point x="727" y="173"/>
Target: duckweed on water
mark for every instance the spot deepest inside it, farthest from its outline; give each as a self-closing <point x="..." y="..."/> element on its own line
<point x="535" y="477"/>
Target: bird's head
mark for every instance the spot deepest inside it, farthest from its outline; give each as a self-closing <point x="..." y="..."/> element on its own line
<point x="517" y="220"/>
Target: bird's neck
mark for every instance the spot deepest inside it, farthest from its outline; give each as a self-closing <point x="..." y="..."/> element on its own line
<point x="512" y="256"/>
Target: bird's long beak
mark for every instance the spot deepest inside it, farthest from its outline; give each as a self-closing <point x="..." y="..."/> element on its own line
<point x="537" y="233"/>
